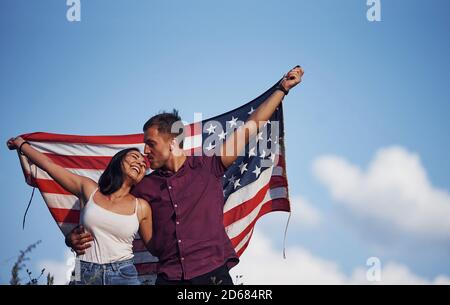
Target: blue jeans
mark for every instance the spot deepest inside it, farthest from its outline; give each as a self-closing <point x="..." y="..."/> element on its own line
<point x="118" y="273"/>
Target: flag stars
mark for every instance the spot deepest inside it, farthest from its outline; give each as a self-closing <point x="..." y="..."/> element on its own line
<point x="243" y="167"/>
<point x="252" y="152"/>
<point x="232" y="179"/>
<point x="210" y="146"/>
<point x="251" y="111"/>
<point x="233" y="122"/>
<point x="257" y="171"/>
<point x="263" y="155"/>
<point x="211" y="129"/>
<point x="259" y="136"/>
<point x="222" y="135"/>
<point x="237" y="184"/>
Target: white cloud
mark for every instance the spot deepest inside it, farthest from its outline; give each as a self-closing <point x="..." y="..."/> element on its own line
<point x="304" y="213"/>
<point x="303" y="216"/>
<point x="394" y="273"/>
<point x="393" y="191"/>
<point x="61" y="270"/>
<point x="262" y="264"/>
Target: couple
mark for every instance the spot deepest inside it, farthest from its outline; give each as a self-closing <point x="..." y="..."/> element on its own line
<point x="177" y="209"/>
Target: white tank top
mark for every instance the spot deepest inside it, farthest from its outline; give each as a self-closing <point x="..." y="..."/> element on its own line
<point x="113" y="233"/>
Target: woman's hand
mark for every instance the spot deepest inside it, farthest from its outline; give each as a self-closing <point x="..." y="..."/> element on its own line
<point x="14" y="143"/>
<point x="71" y="182"/>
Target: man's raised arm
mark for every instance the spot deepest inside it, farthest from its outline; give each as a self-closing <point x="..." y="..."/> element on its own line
<point x="232" y="147"/>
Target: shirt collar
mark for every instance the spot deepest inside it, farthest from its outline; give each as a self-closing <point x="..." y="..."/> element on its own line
<point x="190" y="161"/>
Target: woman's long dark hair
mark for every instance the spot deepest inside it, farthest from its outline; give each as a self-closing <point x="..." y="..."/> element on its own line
<point x="112" y="178"/>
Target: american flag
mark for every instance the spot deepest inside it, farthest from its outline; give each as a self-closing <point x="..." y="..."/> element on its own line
<point x="254" y="185"/>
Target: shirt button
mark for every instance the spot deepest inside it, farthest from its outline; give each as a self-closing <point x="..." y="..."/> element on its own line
<point x="182" y="258"/>
<point x="178" y="222"/>
<point x="175" y="205"/>
<point x="170" y="187"/>
<point x="179" y="241"/>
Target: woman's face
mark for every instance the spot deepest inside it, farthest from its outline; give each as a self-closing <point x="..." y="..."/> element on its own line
<point x="134" y="166"/>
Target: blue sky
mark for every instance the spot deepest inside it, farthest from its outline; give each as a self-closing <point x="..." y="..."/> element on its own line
<point x="368" y="86"/>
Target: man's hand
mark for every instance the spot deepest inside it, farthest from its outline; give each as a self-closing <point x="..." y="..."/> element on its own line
<point x="14" y="143"/>
<point x="79" y="240"/>
<point x="261" y="114"/>
<point x="292" y="78"/>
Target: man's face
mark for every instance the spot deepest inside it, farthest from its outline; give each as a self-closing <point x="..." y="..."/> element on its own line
<point x="157" y="147"/>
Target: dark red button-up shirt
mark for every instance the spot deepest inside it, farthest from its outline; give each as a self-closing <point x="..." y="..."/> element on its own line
<point x="189" y="237"/>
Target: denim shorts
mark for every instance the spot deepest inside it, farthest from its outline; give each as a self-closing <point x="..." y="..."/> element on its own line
<point x="117" y="273"/>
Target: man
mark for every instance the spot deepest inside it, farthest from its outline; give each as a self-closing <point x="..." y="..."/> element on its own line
<point x="185" y="194"/>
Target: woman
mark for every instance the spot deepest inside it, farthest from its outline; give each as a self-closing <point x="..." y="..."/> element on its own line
<point x="108" y="211"/>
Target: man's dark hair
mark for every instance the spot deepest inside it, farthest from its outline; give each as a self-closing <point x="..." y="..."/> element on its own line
<point x="112" y="178"/>
<point x="164" y="121"/>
